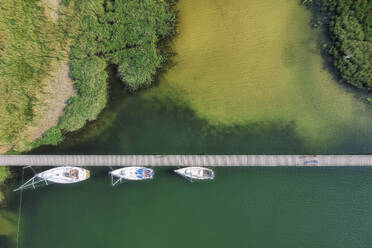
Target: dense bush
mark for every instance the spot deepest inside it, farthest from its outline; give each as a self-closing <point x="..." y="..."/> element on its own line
<point x="91" y="88"/>
<point x="350" y="28"/>
<point x="120" y="32"/>
<point x="52" y="137"/>
<point x="133" y="29"/>
<point x="125" y="33"/>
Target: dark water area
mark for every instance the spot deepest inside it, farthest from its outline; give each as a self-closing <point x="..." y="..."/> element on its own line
<point x="255" y="207"/>
<point x="155" y="127"/>
<point x="6" y="241"/>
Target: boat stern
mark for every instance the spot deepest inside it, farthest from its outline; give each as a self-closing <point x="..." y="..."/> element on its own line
<point x="212" y="176"/>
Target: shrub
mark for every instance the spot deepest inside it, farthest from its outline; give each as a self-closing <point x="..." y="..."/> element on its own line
<point x="350" y="27"/>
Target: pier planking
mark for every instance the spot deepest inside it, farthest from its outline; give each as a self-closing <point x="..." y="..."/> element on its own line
<point x="186" y="160"/>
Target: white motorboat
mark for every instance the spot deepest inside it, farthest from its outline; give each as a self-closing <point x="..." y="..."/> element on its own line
<point x="199" y="173"/>
<point x="133" y="173"/>
<point x="65" y="174"/>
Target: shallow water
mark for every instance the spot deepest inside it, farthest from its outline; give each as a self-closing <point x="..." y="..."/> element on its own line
<point x="248" y="79"/>
<point x="241" y="62"/>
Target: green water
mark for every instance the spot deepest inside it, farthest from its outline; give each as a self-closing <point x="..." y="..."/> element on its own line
<point x="248" y="79"/>
<point x="256" y="207"/>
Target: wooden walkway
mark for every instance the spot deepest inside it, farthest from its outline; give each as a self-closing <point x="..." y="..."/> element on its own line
<point x="186" y="160"/>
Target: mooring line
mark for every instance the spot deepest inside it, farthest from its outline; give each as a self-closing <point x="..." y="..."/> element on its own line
<point x="20" y="209"/>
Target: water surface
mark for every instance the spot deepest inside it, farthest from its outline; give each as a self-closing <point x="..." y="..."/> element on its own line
<point x="256" y="207"/>
<point x="241" y="62"/>
<point x="248" y="79"/>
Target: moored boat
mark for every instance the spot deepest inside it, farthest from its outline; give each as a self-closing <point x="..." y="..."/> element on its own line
<point x="133" y="173"/>
<point x="65" y="174"/>
<point x="199" y="173"/>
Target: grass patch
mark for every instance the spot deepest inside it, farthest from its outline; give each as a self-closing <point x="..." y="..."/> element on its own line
<point x="30" y="46"/>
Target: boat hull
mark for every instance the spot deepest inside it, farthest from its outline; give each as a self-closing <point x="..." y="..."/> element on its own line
<point x="198" y="173"/>
<point x="134" y="173"/>
<point x="65" y="175"/>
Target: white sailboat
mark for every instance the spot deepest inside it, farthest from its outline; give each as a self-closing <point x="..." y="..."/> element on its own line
<point x="133" y="173"/>
<point x="63" y="175"/>
<point x="199" y="173"/>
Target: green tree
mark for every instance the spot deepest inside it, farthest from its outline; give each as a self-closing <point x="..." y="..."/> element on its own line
<point x="349" y="23"/>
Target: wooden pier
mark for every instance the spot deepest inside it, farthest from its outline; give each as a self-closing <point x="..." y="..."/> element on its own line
<point x="186" y="160"/>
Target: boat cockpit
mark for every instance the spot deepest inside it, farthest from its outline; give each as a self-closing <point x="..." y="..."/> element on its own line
<point x="73" y="174"/>
<point x="207" y="173"/>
